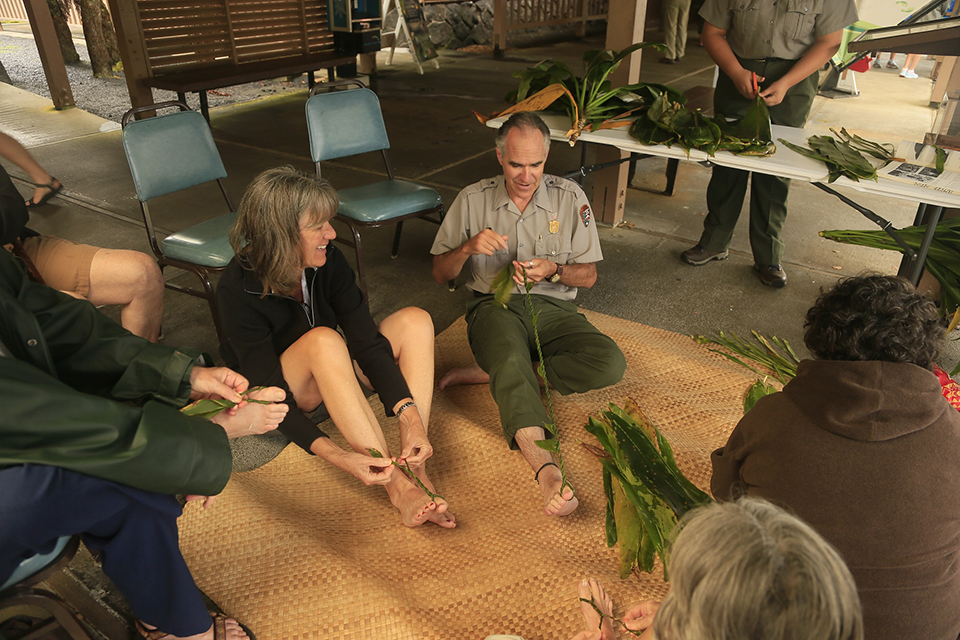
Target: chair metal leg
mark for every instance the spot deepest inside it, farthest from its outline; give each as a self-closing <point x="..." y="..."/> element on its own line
<point x="396" y="240"/>
<point x="53" y="604"/>
<point x="361" y="272"/>
<point x="209" y="293"/>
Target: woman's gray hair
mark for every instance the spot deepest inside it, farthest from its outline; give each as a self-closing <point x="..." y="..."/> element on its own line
<point x="266" y="234"/>
<point x="746" y="570"/>
<point x="523" y="120"/>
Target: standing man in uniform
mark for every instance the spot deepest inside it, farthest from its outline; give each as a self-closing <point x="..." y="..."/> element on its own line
<point x="783" y="43"/>
<point x="543" y="225"/>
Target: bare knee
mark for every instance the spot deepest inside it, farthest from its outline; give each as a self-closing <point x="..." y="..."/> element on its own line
<point x="413" y="319"/>
<point x="325" y="341"/>
<point x="145" y="273"/>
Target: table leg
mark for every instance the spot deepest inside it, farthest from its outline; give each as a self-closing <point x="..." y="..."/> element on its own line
<point x="912" y="268"/>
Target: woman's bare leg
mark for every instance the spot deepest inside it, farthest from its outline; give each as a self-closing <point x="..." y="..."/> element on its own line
<point x="318" y="368"/>
<point x="410" y="332"/>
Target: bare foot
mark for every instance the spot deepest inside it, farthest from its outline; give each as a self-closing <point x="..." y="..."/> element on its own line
<point x="592" y="591"/>
<point x="440" y="516"/>
<point x="253" y="417"/>
<point x="414" y="505"/>
<point x="231" y="631"/>
<point x="556" y="502"/>
<point x="464" y="375"/>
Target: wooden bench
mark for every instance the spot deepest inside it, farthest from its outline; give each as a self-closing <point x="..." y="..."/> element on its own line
<point x="199" y="45"/>
<point x="201" y="80"/>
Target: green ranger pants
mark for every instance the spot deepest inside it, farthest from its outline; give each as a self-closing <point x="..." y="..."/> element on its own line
<point x="768" y="194"/>
<point x="578" y="358"/>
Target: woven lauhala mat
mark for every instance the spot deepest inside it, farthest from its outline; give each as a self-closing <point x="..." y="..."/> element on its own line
<point x="299" y="549"/>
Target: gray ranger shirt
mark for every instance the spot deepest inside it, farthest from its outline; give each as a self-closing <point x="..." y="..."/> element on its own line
<point x="784" y="29"/>
<point x="557" y="225"/>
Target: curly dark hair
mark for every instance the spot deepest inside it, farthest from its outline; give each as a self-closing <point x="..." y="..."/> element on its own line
<point x="874" y="317"/>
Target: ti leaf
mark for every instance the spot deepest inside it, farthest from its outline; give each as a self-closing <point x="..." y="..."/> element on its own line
<point x="610" y="523"/>
<point x="502" y="287"/>
<point x="629" y="530"/>
<point x="757" y="390"/>
<point x="548" y="445"/>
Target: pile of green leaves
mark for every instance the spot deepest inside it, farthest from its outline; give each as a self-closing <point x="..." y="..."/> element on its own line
<point x="943" y="259"/>
<point x="774" y="355"/>
<point x="843" y="156"/>
<point x="646" y="491"/>
<point x="781" y="361"/>
<point x="502" y="289"/>
<point x="591" y="99"/>
<point x="668" y="122"/>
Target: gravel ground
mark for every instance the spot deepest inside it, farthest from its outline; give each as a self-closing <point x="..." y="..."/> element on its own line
<point x="108" y="97"/>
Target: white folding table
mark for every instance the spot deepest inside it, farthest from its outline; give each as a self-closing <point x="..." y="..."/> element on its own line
<point x="785" y="163"/>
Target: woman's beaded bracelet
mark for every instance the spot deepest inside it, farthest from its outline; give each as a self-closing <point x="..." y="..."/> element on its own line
<point x="404" y="407"/>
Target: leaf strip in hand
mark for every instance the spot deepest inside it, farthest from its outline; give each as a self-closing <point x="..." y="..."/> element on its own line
<point x="210" y="407"/>
<point x="405" y="468"/>
<point x="612" y="618"/>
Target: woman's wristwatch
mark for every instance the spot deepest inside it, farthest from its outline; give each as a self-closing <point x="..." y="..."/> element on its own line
<point x="556" y="274"/>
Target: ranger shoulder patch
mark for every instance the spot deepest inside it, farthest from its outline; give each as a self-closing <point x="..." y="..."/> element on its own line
<point x="585" y="215"/>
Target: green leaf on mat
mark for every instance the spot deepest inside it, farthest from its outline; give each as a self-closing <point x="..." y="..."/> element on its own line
<point x="757" y="390"/>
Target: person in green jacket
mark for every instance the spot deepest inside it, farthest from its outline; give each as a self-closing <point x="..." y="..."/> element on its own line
<point x="77" y="457"/>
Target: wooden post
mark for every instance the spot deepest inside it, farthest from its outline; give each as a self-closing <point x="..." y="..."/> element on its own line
<point x="625" y="22"/>
<point x="499" y="27"/>
<point x="133" y="52"/>
<point x="45" y="35"/>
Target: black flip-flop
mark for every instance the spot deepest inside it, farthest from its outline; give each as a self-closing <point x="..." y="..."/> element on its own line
<point x="54" y="190"/>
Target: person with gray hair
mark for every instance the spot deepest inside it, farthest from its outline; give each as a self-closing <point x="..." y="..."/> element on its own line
<point x="541" y="225"/>
<point x="741" y="571"/>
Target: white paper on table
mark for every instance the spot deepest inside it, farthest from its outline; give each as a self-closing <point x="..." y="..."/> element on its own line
<point x="918" y="168"/>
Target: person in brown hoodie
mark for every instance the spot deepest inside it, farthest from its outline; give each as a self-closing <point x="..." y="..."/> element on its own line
<point x="862" y="445"/>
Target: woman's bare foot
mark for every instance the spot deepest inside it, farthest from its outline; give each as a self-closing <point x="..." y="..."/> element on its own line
<point x="230" y="629"/>
<point x="440" y="516"/>
<point x="253" y="417"/>
<point x="464" y="375"/>
<point x="414" y="505"/>
<point x="558" y="500"/>
<point x="591" y="591"/>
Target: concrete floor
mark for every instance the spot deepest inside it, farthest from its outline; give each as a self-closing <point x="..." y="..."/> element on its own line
<point x="437" y="141"/>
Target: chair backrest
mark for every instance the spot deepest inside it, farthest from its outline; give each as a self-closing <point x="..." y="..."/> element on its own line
<point x="37" y="563"/>
<point x="345" y="123"/>
<point x="171" y="152"/>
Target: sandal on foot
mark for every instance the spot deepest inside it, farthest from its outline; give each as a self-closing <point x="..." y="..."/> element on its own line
<point x="150" y="634"/>
<point x="55" y="187"/>
<point x="219" y="629"/>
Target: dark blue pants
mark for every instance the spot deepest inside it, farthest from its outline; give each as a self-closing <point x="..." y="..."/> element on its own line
<point x="135" y="530"/>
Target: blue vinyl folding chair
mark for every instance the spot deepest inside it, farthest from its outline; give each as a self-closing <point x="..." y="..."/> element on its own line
<point x="170" y="153"/>
<point x="347" y="123"/>
<point x="20" y="590"/>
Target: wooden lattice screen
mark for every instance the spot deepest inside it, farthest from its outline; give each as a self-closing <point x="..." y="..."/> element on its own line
<point x="180" y="34"/>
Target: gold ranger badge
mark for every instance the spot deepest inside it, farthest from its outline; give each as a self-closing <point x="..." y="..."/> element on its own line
<point x="554" y="223"/>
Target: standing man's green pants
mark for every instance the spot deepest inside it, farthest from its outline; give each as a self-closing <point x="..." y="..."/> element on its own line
<point x="768" y="194"/>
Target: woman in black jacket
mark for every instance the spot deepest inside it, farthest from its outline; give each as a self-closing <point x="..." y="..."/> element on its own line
<point x="282" y="300"/>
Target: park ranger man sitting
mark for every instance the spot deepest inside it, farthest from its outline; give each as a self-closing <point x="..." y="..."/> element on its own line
<point x="543" y="225"/>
